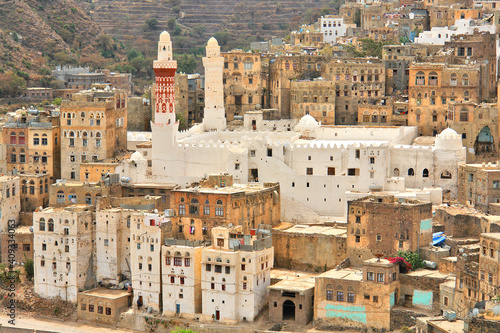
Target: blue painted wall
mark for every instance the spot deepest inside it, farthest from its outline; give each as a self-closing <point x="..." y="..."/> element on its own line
<point x="422" y="298"/>
<point x="426" y="225"/>
<point x="354" y="313"/>
<point x="392" y="300"/>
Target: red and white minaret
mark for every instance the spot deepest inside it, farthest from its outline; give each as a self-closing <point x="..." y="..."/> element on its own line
<point x="165" y="68"/>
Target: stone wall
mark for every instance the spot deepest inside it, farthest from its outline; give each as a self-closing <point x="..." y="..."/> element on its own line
<point x="401" y="317"/>
<point x="481" y="325"/>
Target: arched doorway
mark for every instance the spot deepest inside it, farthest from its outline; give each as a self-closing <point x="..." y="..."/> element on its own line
<point x="484" y="144"/>
<point x="288" y="310"/>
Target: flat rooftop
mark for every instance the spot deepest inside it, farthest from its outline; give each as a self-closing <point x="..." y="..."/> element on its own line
<point x="428" y="273"/>
<point x="491" y="235"/>
<point x="106" y="293"/>
<point x="292" y="285"/>
<point x="344" y="274"/>
<point x="235" y="188"/>
<point x="316" y="229"/>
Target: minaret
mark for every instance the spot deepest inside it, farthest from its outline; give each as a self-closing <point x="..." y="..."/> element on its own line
<point x="214" y="117"/>
<point x="165" y="68"/>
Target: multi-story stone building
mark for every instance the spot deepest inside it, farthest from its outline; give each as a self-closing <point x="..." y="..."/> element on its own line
<point x="397" y="60"/>
<point x="316" y="98"/>
<point x="350" y="298"/>
<point x="33" y="144"/>
<point x="357" y="81"/>
<point x="235" y="274"/>
<point x="148" y="232"/>
<point x="433" y="85"/>
<point x="489" y="266"/>
<point x="66" y="193"/>
<point x="475" y="122"/>
<point x="217" y="201"/>
<point x="181" y="278"/>
<point x="62" y="241"/>
<point x="332" y="27"/>
<point x="196" y="98"/>
<point x="480" y="185"/>
<point x="383" y="224"/>
<point x="34" y="191"/>
<point x="243" y="86"/>
<point x="10" y="202"/>
<point x="93" y="127"/>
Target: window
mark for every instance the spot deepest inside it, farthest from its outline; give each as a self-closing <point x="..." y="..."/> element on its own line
<point x="375" y="299"/>
<point x="36" y="141"/>
<point x="182" y="210"/>
<point x="464" y="115"/>
<point x="445" y="175"/>
<point x="411" y="172"/>
<point x="227" y="269"/>
<point x="329" y="295"/>
<point x="370" y="276"/>
<point x="358" y="239"/>
<point x="218" y="269"/>
<point x="269" y="152"/>
<point x="51" y="225"/>
<point x="471" y="179"/>
<point x="425" y="173"/>
<point x="187" y="262"/>
<point x="245" y="287"/>
<point x="445" y="301"/>
<point x="453" y="79"/>
<point x="91" y="308"/>
<point x="309" y="171"/>
<point x="350" y="297"/>
<point x="83" y="307"/>
<point x="420" y="79"/>
<point x="209" y="268"/>
<point x="380" y="277"/>
<point x="177" y="261"/>
<point x="44" y="247"/>
<point x="379" y="238"/>
<point x="372" y="160"/>
<point x="100" y="309"/>
<point x="108" y="311"/>
<point x="242" y="267"/>
<point x="206" y="210"/>
<point x="340" y="296"/>
<point x="42" y="225"/>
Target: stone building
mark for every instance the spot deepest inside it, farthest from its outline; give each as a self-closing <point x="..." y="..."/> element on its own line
<point x="121" y="81"/>
<point x="383" y="224"/>
<point x="196" y="98"/>
<point x="62" y="242"/>
<point x="181" y="278"/>
<point x="10" y="202"/>
<point x="480" y="185"/>
<point x="139" y="113"/>
<point x="386" y="113"/>
<point x="94" y="172"/>
<point x="307" y="36"/>
<point x="162" y="190"/>
<point x="396" y="59"/>
<point x="433" y="86"/>
<point x="217" y="201"/>
<point x="235" y="274"/>
<point x="66" y="193"/>
<point x="22" y="239"/>
<point x="148" y="232"/>
<point x="475" y="122"/>
<point x="282" y="71"/>
<point x="83" y="81"/>
<point x="243" y="86"/>
<point x="489" y="266"/>
<point x="351" y="298"/>
<point x="34" y="191"/>
<point x="103" y="306"/>
<point x="384" y="34"/>
<point x="357" y="81"/>
<point x="93" y="127"/>
<point x="292" y="300"/>
<point x="32" y="141"/>
<point x="309" y="247"/>
<point x="39" y="93"/>
<point x="316" y="98"/>
<point x="181" y="99"/>
<point x="478" y="48"/>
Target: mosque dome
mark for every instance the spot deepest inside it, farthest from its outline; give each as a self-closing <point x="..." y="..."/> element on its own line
<point x="165" y="36"/>
<point x="130" y="136"/>
<point x="212" y="42"/>
<point x="448" y="139"/>
<point x="137" y="156"/>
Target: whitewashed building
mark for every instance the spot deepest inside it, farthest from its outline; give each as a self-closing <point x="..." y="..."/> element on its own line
<point x="235" y="274"/>
<point x="63" y="251"/>
<point x="10" y="201"/>
<point x="332" y="27"/>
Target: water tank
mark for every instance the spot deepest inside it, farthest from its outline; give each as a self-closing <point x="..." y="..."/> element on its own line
<point x="125" y="180"/>
<point x="445" y="314"/>
<point x="452" y="316"/>
<point x="430" y="264"/>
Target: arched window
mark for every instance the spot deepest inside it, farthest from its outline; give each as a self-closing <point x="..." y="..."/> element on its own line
<point x="396" y="172"/>
<point x="464" y="115"/>
<point x="420" y="79"/>
<point x="439" y="15"/>
<point x="51" y="225"/>
<point x="465" y="80"/>
<point x="13" y="138"/>
<point x="433" y="79"/>
<point x="445" y="175"/>
<point x="193" y="207"/>
<point x="219" y="209"/>
<point x="329" y="292"/>
<point x="453" y="79"/>
<point x="425" y="173"/>
<point x="411" y="172"/>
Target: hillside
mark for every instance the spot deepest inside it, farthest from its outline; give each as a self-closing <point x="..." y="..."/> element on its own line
<point x="245" y="20"/>
<point x="36" y="35"/>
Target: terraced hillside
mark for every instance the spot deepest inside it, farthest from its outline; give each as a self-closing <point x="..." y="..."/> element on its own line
<point x="242" y="18"/>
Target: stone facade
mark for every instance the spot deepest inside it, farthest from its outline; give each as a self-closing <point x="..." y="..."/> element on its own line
<point x="34" y="191"/>
<point x="219" y="202"/>
<point x="309" y="247"/>
<point x="103" y="306"/>
<point x="93" y="127"/>
<point x="480" y="184"/>
<point x="386" y="225"/>
<point x="22" y="239"/>
<point x="292" y="300"/>
<point x="316" y="98"/>
<point x="243" y="86"/>
<point x="348" y="298"/>
<point x="10" y="202"/>
<point x="66" y="193"/>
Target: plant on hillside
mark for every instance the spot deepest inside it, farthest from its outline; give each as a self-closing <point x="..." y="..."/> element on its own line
<point x="29" y="269"/>
<point x="182" y="330"/>
<point x="413" y="258"/>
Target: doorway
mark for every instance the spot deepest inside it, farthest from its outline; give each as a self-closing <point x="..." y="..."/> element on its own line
<point x="177" y="308"/>
<point x="254" y="175"/>
<point x="288" y="310"/>
<point x="217" y="315"/>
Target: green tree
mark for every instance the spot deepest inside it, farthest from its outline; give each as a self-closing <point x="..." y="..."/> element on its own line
<point x="176" y="9"/>
<point x="151" y="23"/>
<point x="413" y="258"/>
<point x="222" y="37"/>
<point x="186" y="63"/>
<point x="29" y="269"/>
<point x="182" y="330"/>
<point x="133" y="54"/>
<point x="199" y="29"/>
<point x="171" y="24"/>
<point x="57" y="101"/>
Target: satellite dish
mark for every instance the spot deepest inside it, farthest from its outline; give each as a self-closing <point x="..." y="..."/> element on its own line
<point x="475" y="312"/>
<point x="156" y="211"/>
<point x="461" y="250"/>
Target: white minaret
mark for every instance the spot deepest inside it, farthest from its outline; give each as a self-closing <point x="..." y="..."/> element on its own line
<point x="215" y="113"/>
